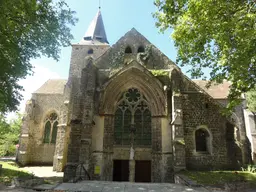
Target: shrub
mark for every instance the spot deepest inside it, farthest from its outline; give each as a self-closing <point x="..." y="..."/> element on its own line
<point x="9" y="135"/>
<point x="249" y="168"/>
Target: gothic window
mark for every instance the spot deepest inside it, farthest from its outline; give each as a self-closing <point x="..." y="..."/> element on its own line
<point x="141" y="49"/>
<point x="132" y="110"/>
<point x="202" y="139"/>
<point x="50" y="128"/>
<point x="128" y="49"/>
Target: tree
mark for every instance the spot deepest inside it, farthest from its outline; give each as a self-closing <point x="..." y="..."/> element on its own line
<point x="29" y="29"/>
<point x="9" y="135"/>
<point x="219" y="35"/>
<point x="251" y="100"/>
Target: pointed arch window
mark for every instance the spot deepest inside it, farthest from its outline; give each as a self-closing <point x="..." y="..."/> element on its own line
<point x="128" y="49"/>
<point x="50" y="128"/>
<point x="132" y="110"/>
<point x="141" y="49"/>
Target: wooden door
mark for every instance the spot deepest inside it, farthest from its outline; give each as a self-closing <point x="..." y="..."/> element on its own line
<point x="121" y="170"/>
<point x="142" y="171"/>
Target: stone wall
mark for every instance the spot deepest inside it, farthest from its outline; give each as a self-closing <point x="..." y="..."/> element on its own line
<point x="199" y="111"/>
<point x="78" y="55"/>
<point x="115" y="57"/>
<point x="238" y="119"/>
<point x="32" y="133"/>
<point x="250" y="121"/>
<point x="81" y="113"/>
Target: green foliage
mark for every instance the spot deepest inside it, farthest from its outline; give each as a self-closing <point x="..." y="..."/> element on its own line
<point x="249" y="168"/>
<point x="216" y="35"/>
<point x="159" y="72"/>
<point x="9" y="135"/>
<point x="29" y="29"/>
<point x="251" y="100"/>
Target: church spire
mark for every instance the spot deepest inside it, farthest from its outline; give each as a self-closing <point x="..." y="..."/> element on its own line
<point x="96" y="32"/>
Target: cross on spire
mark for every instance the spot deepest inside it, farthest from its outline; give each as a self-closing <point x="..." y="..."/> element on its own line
<point x="99" y="4"/>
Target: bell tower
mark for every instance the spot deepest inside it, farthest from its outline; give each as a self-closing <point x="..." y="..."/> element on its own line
<point x="79" y="95"/>
<point x="93" y="44"/>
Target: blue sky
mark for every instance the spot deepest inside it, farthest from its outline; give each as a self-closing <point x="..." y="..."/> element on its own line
<point x="119" y="17"/>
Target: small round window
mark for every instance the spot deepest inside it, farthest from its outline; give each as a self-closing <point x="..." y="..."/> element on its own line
<point x="90" y="51"/>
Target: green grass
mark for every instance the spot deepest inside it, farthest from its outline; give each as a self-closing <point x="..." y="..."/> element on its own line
<point x="220" y="177"/>
<point x="11" y="170"/>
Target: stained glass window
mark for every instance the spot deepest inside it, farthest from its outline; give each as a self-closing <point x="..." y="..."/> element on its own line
<point x="50" y="128"/>
<point x="132" y="109"/>
<point x="47" y="132"/>
<point x="146" y="127"/>
<point x="54" y="132"/>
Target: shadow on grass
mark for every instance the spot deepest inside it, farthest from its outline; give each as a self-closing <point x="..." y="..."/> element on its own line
<point x="219" y="178"/>
<point x="7" y="175"/>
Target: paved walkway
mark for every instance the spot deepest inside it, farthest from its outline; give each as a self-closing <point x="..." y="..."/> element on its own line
<point x="100" y="186"/>
<point x="96" y="186"/>
<point x="43" y="171"/>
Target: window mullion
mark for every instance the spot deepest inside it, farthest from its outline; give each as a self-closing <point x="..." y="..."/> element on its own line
<point x="142" y="126"/>
<point x="50" y="137"/>
<point x="122" y="130"/>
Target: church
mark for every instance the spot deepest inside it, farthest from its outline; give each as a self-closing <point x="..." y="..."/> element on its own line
<point x="128" y="113"/>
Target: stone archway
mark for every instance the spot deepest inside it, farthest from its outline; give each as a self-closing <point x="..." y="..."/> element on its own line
<point x="132" y="78"/>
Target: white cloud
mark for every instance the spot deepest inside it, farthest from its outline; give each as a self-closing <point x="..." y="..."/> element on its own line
<point x="32" y="83"/>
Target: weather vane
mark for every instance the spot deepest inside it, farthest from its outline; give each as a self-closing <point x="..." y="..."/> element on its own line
<point x="99" y="4"/>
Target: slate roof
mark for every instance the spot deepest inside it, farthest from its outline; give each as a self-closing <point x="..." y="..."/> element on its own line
<point x="96" y="32"/>
<point x="52" y="86"/>
<point x="217" y="91"/>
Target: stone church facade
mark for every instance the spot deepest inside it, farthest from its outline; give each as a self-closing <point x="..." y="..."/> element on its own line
<point x="128" y="113"/>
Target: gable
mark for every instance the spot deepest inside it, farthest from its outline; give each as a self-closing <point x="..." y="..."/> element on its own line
<point x="116" y="57"/>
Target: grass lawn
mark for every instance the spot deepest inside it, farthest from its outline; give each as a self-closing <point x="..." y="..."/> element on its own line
<point x="10" y="170"/>
<point x="220" y="177"/>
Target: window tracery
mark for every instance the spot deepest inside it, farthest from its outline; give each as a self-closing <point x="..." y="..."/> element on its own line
<point x="50" y="128"/>
<point x="132" y="110"/>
